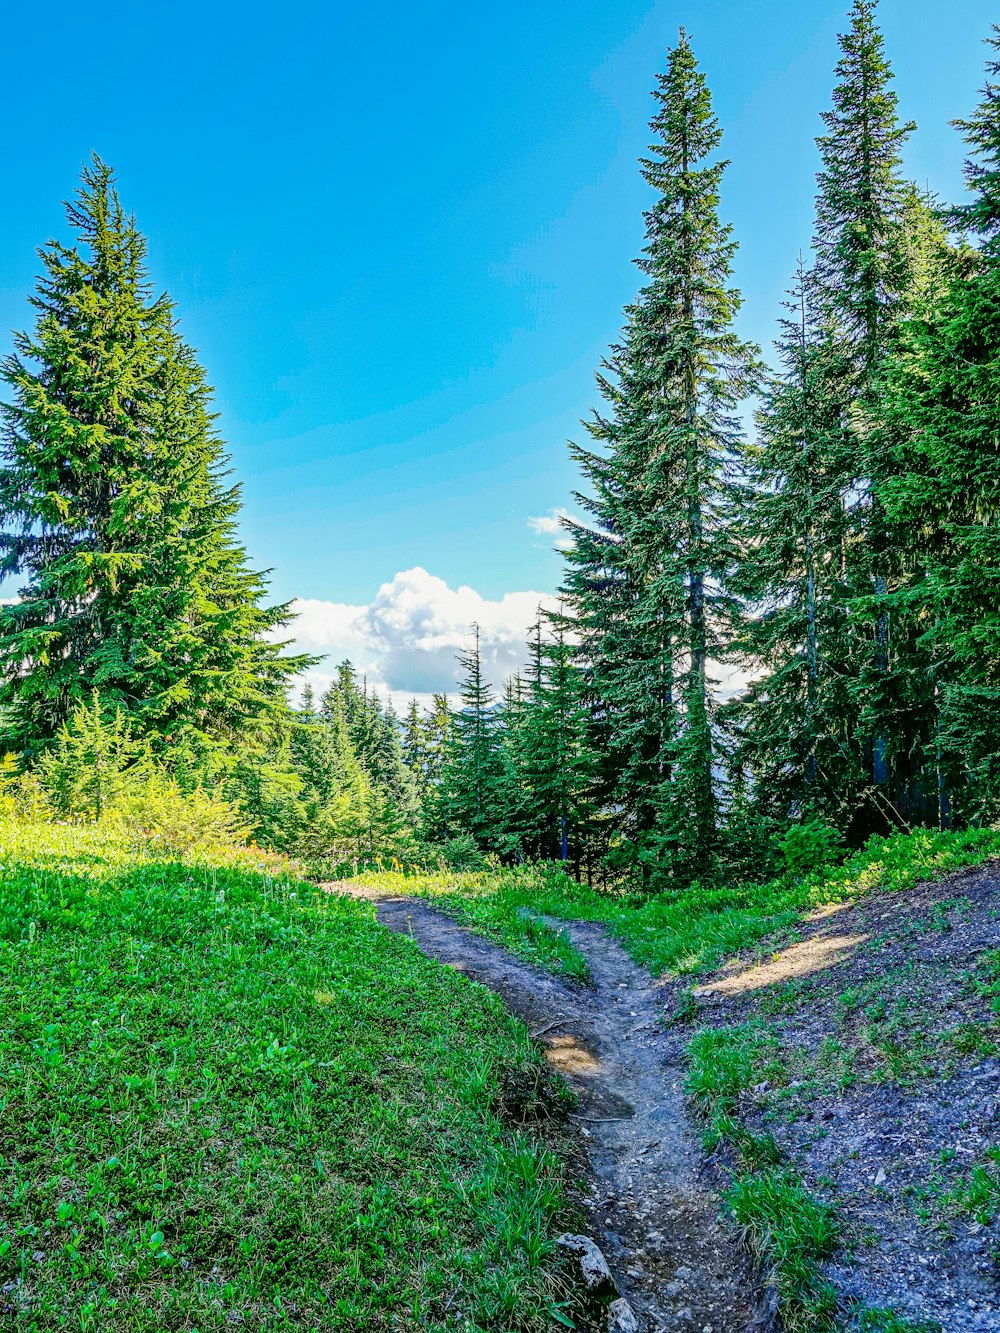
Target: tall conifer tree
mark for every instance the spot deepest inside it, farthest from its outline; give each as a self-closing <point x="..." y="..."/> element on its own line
<point x="795" y="724"/>
<point x="864" y="277"/>
<point x="115" y="512"/>
<point x="943" y="406"/>
<point x="474" y="783"/>
<point x="664" y="489"/>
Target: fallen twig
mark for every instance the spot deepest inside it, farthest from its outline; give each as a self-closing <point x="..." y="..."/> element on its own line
<point x="549" y="1026"/>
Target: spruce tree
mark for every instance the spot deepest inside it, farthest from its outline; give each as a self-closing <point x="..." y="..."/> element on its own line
<point x="115" y="511"/>
<point x="863" y="279"/>
<point x="414" y="747"/>
<point x="794" y="727"/>
<point x="558" y="765"/>
<point x="474" y="783"/>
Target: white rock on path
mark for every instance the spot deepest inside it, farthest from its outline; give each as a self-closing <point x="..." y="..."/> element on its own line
<point x="593" y="1266"/>
<point x="621" y="1318"/>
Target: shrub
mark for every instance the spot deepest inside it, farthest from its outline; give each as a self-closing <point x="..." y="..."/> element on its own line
<point x="156" y="816"/>
<point x="461" y="853"/>
<point x="810" y="846"/>
<point x="88" y="766"/>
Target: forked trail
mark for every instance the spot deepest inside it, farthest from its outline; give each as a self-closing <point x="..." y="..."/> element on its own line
<point x="649" y="1209"/>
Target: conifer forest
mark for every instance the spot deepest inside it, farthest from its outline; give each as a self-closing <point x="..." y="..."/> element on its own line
<point x="819" y="516"/>
<point x="765" y="699"/>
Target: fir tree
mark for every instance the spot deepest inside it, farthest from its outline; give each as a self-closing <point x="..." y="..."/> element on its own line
<point x="794" y="726"/>
<point x="474" y="782"/>
<point x="115" y="511"/>
<point x="414" y="745"/>
<point x="864" y="277"/>
<point x="663" y="489"/>
<point x="943" y="404"/>
<point x="557" y="762"/>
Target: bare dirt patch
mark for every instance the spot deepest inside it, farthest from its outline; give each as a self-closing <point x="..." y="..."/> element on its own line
<point x="886" y="1015"/>
<point x="649" y="1204"/>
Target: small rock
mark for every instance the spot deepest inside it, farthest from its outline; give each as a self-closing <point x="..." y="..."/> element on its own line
<point x="621" y="1317"/>
<point x="880" y="1177"/>
<point x="684" y="1274"/>
<point x="594" y="1268"/>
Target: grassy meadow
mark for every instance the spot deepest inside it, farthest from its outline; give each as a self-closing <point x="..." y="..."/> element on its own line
<point x="230" y="1099"/>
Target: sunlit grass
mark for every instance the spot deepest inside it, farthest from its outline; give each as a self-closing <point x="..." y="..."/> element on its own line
<point x="230" y="1099"/>
<point x="689" y="932"/>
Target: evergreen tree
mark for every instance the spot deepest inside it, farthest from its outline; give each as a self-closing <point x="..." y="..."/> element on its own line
<point x="794" y="727"/>
<point x="115" y="511"/>
<point x="864" y="279"/>
<point x="943" y="404"/>
<point x="557" y="762"/>
<point x="376" y="737"/>
<point x="414" y="744"/>
<point x="474" y="783"/>
<point x="438" y="727"/>
<point x="663" y="490"/>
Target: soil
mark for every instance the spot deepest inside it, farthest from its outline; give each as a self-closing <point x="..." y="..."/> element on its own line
<point x="914" y="1102"/>
<point x="649" y="1203"/>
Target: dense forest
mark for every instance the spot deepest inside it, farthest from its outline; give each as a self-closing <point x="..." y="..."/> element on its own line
<point x="825" y="522"/>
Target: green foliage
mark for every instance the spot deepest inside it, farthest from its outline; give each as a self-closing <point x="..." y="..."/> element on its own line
<point x="229" y="1097"/>
<point x="87" y="769"/>
<point x="116" y="512"/>
<point x="810" y="847"/>
<point x="154" y="815"/>
<point x="942" y="398"/>
<point x="462" y="853"/>
<point x="977" y="1193"/>
<point x="477" y="786"/>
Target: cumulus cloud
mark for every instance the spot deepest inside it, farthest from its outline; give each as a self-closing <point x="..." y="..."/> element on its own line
<point x="406" y="638"/>
<point x="551" y="525"/>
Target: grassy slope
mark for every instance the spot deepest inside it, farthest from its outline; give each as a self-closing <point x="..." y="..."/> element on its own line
<point x="227" y="1098"/>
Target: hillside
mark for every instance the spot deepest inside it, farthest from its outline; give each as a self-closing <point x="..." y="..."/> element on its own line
<point x="836" y="1032"/>
<point x="230" y="1099"/>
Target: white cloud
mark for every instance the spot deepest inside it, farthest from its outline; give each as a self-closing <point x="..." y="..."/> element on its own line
<point x="405" y="640"/>
<point x="551" y="525"/>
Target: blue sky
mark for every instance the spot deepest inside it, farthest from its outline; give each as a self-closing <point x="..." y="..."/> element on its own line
<point x="401" y="237"/>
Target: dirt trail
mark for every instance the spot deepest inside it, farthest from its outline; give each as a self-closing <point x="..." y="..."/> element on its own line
<point x="649" y="1210"/>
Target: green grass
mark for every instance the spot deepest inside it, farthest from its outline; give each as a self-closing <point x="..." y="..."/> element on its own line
<point x="791" y="1232"/>
<point x="887" y="1321"/>
<point x="976" y="1193"/>
<point x="228" y="1099"/>
<point x="724" y="1063"/>
<point x="689" y="933"/>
